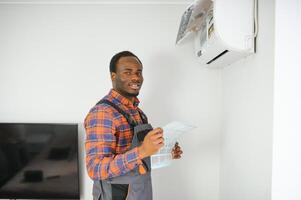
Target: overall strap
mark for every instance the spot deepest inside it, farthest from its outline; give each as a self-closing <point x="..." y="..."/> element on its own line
<point x="126" y="115"/>
<point x="143" y="116"/>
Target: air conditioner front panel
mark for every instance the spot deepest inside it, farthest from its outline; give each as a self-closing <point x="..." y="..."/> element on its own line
<point x="217" y="54"/>
<point x="234" y="23"/>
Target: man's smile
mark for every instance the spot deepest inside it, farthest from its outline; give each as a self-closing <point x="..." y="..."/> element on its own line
<point x="135" y="86"/>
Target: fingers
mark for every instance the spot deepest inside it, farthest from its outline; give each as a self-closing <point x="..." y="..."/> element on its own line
<point x="156" y="136"/>
<point x="177" y="155"/>
<point x="176" y="148"/>
<point x="158" y="141"/>
<point x="160" y="145"/>
<point x="176" y="151"/>
<point x="152" y="142"/>
<point x="156" y="131"/>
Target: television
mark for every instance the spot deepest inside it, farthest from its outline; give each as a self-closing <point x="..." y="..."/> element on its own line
<point x="39" y="161"/>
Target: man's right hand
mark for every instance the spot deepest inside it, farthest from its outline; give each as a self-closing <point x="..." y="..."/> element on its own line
<point x="151" y="144"/>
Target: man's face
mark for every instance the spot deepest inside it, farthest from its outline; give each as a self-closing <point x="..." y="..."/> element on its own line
<point x="128" y="78"/>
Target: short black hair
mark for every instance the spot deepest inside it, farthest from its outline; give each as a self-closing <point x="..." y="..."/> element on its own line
<point x="119" y="55"/>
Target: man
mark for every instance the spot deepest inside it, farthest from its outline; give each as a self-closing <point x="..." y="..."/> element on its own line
<point x="119" y="140"/>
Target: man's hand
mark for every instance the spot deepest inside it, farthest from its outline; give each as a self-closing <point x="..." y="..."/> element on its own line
<point x="176" y="151"/>
<point x="151" y="144"/>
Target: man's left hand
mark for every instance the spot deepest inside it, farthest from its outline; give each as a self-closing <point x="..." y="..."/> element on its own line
<point x="176" y="151"/>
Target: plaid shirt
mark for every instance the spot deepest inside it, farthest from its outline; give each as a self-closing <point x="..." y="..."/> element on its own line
<point x="109" y="137"/>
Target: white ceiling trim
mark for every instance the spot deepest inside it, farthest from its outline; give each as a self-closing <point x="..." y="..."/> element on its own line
<point x="99" y="2"/>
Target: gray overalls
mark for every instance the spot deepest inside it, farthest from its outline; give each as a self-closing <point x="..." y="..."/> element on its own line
<point x="132" y="185"/>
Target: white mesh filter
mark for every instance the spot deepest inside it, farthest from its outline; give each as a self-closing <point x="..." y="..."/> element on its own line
<point x="171" y="132"/>
<point x="163" y="157"/>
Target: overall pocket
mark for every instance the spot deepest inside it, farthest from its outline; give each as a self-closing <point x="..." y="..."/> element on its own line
<point x="119" y="191"/>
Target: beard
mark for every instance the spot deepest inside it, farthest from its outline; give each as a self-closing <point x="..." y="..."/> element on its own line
<point x="127" y="94"/>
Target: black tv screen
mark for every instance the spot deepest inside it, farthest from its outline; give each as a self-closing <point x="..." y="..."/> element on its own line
<point x="39" y="161"/>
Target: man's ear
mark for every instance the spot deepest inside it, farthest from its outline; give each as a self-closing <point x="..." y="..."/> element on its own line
<point x="113" y="76"/>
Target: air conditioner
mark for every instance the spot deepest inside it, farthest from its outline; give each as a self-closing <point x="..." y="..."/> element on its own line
<point x="224" y="30"/>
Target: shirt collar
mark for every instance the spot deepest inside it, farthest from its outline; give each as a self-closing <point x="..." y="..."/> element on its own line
<point x="123" y="100"/>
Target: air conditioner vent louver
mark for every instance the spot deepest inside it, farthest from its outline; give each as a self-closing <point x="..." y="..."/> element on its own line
<point x="219" y="55"/>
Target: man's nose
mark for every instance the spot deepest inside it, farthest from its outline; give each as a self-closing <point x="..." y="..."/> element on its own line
<point x="136" y="77"/>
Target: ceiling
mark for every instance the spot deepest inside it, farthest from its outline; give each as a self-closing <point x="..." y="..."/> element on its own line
<point x="96" y="1"/>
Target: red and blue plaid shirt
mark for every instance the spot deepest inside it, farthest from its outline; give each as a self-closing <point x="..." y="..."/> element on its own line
<point x="109" y="138"/>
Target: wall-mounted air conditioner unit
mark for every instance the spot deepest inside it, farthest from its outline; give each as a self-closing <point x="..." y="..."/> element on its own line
<point x="224" y="30"/>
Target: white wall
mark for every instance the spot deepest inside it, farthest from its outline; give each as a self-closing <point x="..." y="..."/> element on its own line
<point x="287" y="107"/>
<point x="54" y="67"/>
<point x="246" y="136"/>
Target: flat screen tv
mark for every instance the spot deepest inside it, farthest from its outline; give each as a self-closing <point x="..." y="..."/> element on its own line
<point x="39" y="161"/>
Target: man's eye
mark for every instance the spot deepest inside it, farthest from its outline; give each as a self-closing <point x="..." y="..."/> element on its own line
<point x="127" y="73"/>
